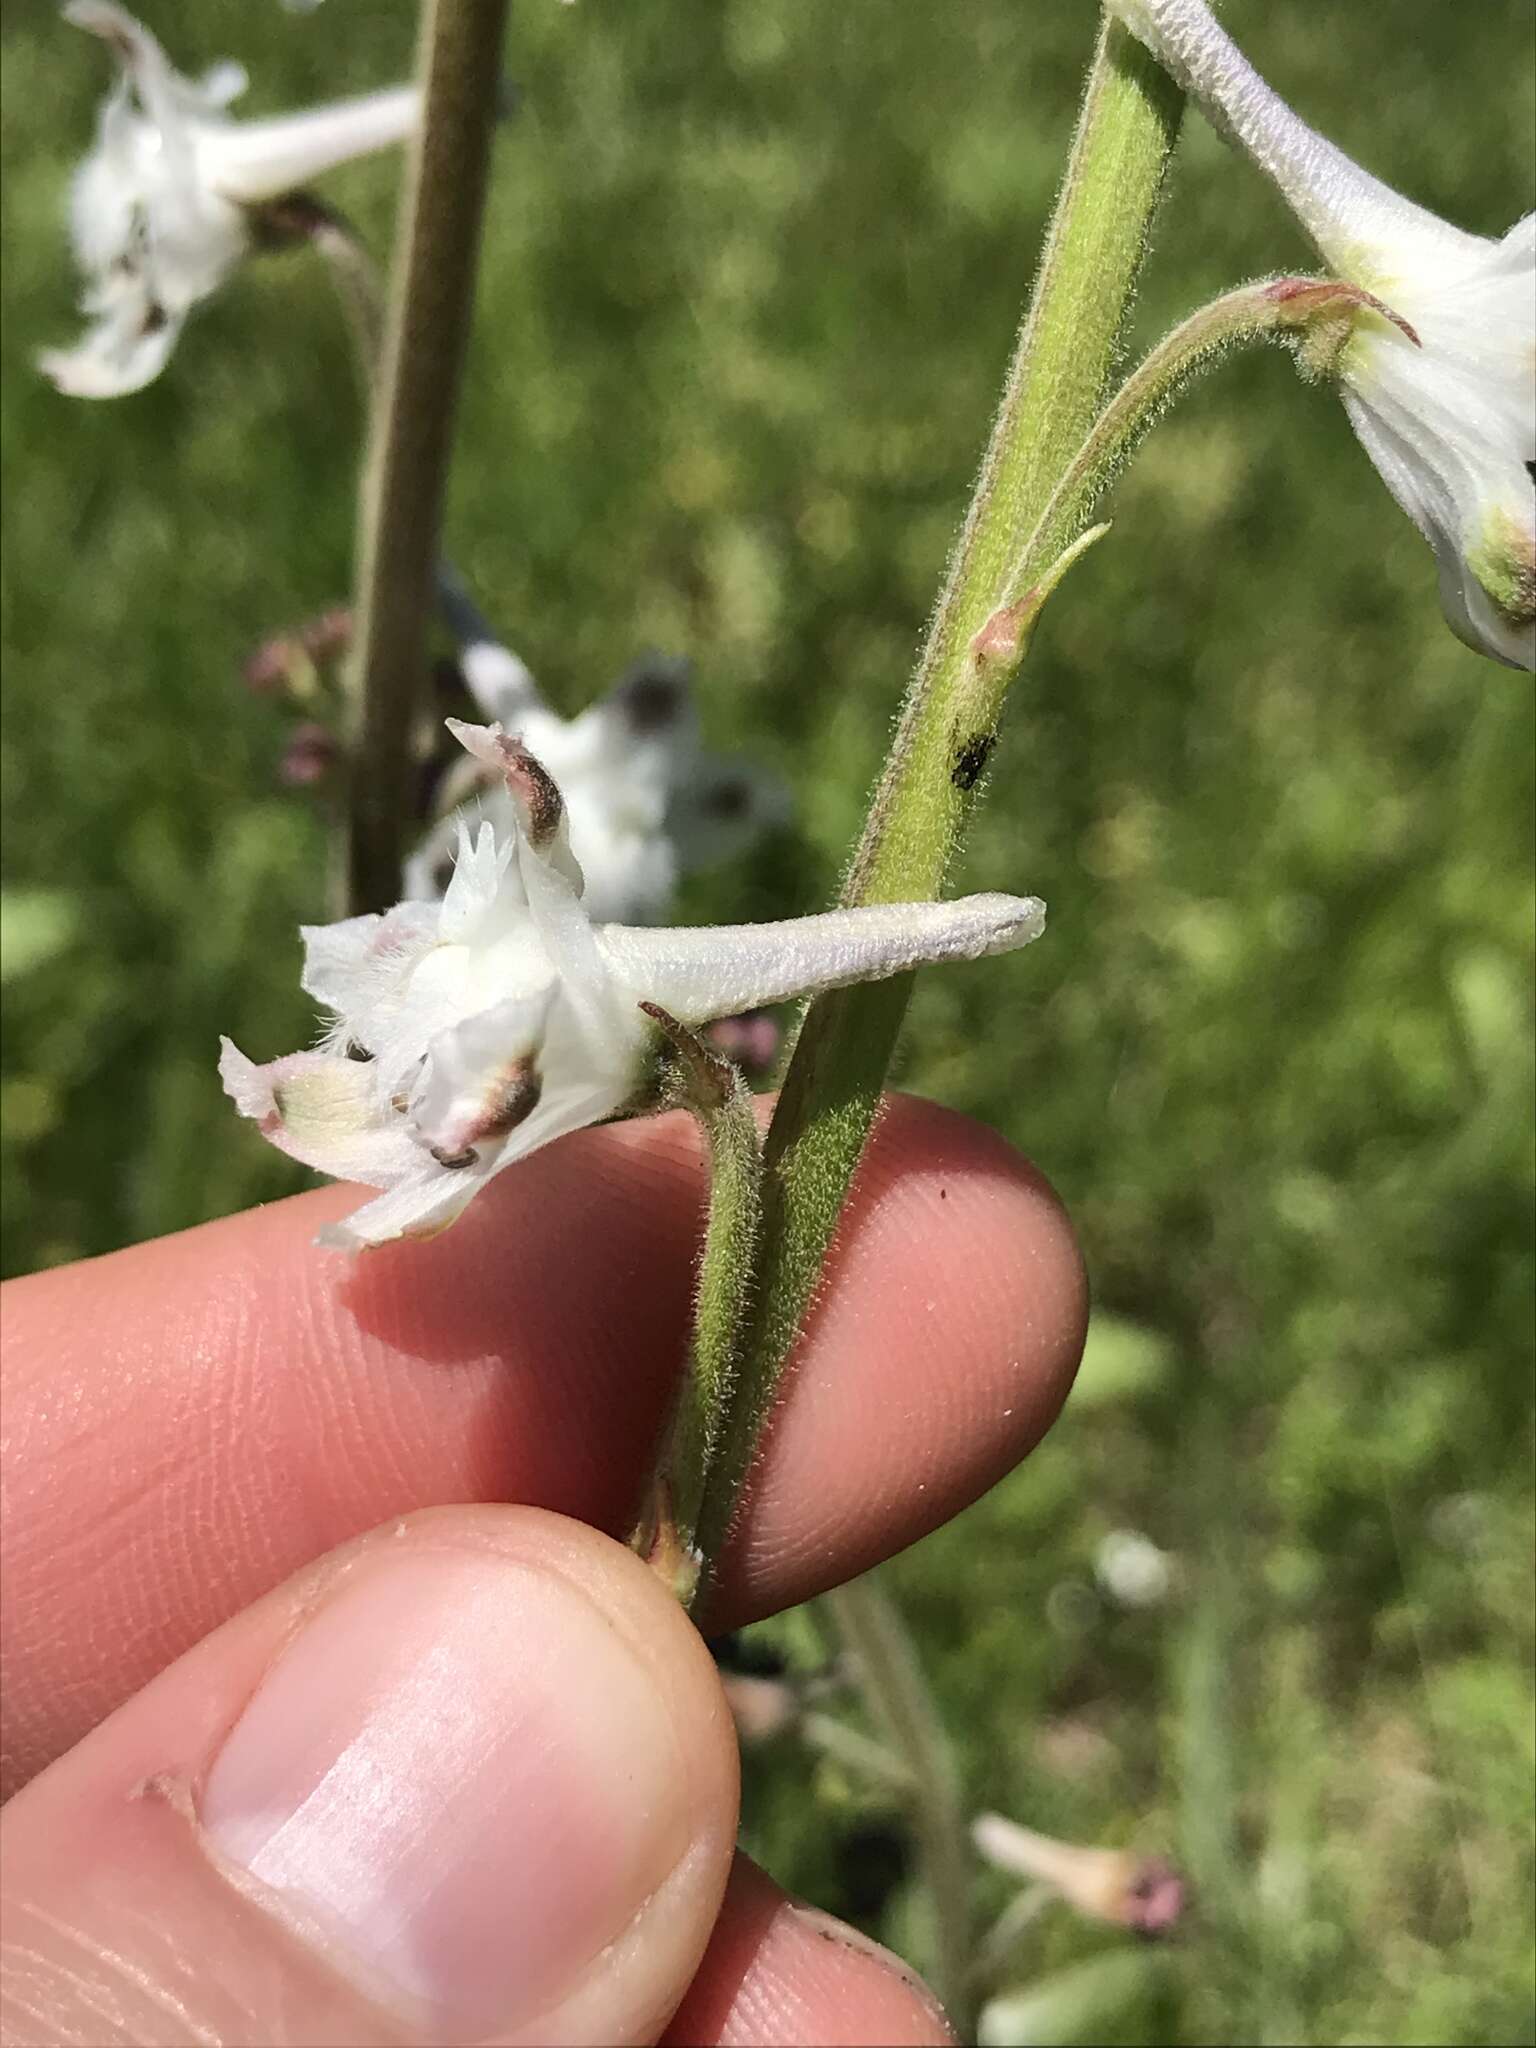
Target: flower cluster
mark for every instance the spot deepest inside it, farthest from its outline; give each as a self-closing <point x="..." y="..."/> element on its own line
<point x="467" y="1033"/>
<point x="1445" y="410"/>
<point x="168" y="201"/>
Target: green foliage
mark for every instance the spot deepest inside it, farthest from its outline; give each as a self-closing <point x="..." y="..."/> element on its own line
<point x="750" y="282"/>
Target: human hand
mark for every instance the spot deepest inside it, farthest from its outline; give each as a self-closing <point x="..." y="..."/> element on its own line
<point x="470" y="1776"/>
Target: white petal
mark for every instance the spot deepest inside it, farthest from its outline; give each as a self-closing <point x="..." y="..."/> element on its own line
<point x="566" y="934"/>
<point x="717" y="970"/>
<point x="144" y="63"/>
<point x="480" y="1078"/>
<point x="1356" y="221"/>
<point x="325" y="1111"/>
<point x="436" y="1196"/>
<point x="482" y="869"/>
<point x="335" y="955"/>
<point x="250" y="161"/>
<point x="115" y="357"/>
<point x="419" y="1207"/>
<point x="358" y="968"/>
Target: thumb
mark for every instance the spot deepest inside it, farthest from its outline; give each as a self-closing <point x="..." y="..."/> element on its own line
<point x="470" y="1779"/>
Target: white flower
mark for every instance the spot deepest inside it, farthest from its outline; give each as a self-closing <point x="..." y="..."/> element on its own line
<point x="1450" y="423"/>
<point x="467" y="1033"/>
<point x="1142" y="1892"/>
<point x="160" y="211"/>
<point x="644" y="802"/>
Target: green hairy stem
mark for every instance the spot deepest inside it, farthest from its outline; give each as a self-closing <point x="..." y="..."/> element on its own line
<point x="1066" y="350"/>
<point x="667" y="1534"/>
<point x="426" y="330"/>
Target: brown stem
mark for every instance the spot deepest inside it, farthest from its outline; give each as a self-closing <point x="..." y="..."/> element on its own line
<point x="431" y="302"/>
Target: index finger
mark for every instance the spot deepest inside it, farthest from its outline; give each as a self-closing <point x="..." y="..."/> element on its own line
<point x="191" y="1421"/>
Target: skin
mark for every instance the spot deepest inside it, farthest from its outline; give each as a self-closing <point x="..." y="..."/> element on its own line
<point x="211" y="1439"/>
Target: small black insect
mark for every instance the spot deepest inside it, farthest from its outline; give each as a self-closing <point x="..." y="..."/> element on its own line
<point x="971" y="759"/>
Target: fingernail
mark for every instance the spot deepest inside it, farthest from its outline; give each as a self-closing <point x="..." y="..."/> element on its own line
<point x="460" y="1779"/>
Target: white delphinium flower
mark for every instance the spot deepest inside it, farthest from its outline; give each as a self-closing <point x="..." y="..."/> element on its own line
<point x="163" y="207"/>
<point x="1449" y="423"/>
<point x="467" y="1033"/>
<point x="644" y="801"/>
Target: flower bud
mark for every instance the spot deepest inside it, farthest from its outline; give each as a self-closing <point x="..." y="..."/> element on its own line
<point x="310" y="755"/>
<point x="1143" y="1893"/>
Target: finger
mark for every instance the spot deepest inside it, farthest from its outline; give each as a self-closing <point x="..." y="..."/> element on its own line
<point x="777" y="1974"/>
<point x="471" y="1779"/>
<point x="191" y="1421"/>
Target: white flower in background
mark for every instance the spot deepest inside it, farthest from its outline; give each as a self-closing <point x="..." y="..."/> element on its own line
<point x="644" y="801"/>
<point x="1132" y="1570"/>
<point x="162" y="209"/>
<point x="1145" y="1893"/>
<point x="1450" y="423"/>
<point x="467" y="1033"/>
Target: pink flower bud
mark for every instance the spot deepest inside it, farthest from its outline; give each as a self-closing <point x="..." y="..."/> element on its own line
<point x="310" y="755"/>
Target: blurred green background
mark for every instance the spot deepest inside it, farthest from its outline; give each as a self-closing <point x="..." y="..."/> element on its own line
<point x="751" y="276"/>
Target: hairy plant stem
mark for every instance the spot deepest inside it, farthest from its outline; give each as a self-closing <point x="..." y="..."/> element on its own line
<point x="666" y="1534"/>
<point x="420" y="368"/>
<point x="301" y="217"/>
<point x="1310" y="312"/>
<point x="1066" y="350"/>
<point x="902" y="1708"/>
<point x="358" y="287"/>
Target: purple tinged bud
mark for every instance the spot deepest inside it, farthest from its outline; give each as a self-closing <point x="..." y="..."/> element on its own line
<point x="1142" y="1893"/>
<point x="310" y="755"/>
<point x="328" y="635"/>
<point x="268" y="669"/>
<point x="1154" y="1898"/>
